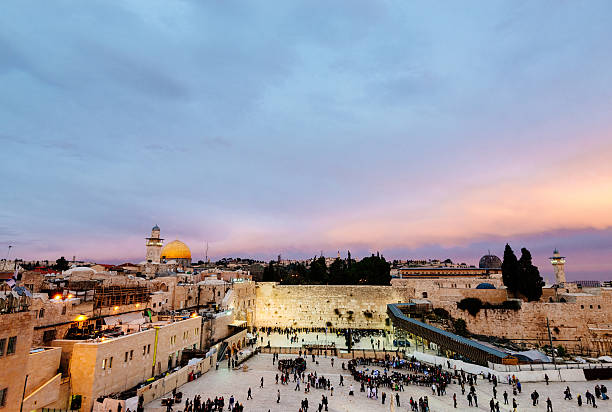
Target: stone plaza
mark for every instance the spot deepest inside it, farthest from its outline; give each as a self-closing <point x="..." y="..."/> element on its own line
<point x="226" y="383"/>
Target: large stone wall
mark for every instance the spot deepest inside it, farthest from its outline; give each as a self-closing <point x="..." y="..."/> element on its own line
<point x="315" y="305"/>
<point x="585" y="324"/>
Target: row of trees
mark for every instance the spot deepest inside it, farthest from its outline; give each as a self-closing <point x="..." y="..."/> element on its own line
<point x="373" y="270"/>
<point x="520" y="275"/>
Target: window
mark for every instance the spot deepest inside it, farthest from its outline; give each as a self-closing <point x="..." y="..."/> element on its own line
<point x="581" y="306"/>
<point x="63" y="310"/>
<point x="49" y="335"/>
<point x="131" y="354"/>
<point x="126" y="357"/>
<point x="12" y="343"/>
<point x="591" y="306"/>
<point x="598" y="306"/>
<point x="110" y="363"/>
<point x="104" y="364"/>
<point x="41" y="313"/>
<point x="154" y="305"/>
<point x="3" y="396"/>
<point x="148" y="349"/>
<point x="2" y="346"/>
<point x="144" y="350"/>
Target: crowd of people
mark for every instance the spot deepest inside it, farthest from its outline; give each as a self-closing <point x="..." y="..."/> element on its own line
<point x="386" y="380"/>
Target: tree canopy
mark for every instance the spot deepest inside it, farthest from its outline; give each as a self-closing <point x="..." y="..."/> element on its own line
<point x="521" y="276"/>
<point x="372" y="270"/>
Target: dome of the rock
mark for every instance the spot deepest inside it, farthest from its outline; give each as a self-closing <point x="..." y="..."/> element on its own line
<point x="175" y="250"/>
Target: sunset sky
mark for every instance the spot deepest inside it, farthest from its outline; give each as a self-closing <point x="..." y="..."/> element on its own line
<point x="418" y="129"/>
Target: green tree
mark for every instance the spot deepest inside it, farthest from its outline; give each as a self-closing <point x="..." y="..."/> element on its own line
<point x="338" y="272"/>
<point x="61" y="264"/>
<point x="318" y="271"/>
<point x="373" y="270"/>
<point x="510" y="270"/>
<point x="460" y="327"/>
<point x="271" y="273"/>
<point x="530" y="282"/>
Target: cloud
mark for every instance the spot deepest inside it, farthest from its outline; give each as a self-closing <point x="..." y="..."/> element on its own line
<point x="296" y="127"/>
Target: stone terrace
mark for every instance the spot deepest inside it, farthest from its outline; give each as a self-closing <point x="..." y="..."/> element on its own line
<point x="227" y="383"/>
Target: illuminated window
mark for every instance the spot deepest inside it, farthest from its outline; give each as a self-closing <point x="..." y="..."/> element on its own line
<point x="104" y="364"/>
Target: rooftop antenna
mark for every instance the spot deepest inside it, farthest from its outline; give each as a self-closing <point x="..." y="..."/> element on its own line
<point x="206" y="259"/>
<point x="8" y="252"/>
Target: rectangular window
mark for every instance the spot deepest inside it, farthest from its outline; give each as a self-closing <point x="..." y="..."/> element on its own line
<point x="2" y="346"/>
<point x="110" y="363"/>
<point x="131" y="354"/>
<point x="49" y="335"/>
<point x="41" y="313"/>
<point x="148" y="349"/>
<point x="126" y="356"/>
<point x="12" y="345"/>
<point x="144" y="350"/>
<point x="63" y="310"/>
<point x="104" y="364"/>
<point x="3" y="396"/>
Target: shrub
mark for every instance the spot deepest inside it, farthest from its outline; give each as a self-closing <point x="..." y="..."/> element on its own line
<point x="367" y="314"/>
<point x="472" y="305"/>
<point x="441" y="313"/>
<point x="460" y="327"/>
<point x="337" y="312"/>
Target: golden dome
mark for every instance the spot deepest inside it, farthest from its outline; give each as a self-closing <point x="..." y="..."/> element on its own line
<point x="175" y="250"/>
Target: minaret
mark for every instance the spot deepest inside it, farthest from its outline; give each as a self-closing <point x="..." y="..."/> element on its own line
<point x="558" y="263"/>
<point x="154" y="246"/>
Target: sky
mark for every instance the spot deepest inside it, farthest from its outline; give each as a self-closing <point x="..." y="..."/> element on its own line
<point x="418" y="129"/>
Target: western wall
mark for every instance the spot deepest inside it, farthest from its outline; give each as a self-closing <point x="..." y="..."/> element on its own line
<point x="345" y="306"/>
<point x="578" y="321"/>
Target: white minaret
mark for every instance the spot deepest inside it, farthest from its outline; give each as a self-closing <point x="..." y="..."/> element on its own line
<point x="558" y="263"/>
<point x="154" y="246"/>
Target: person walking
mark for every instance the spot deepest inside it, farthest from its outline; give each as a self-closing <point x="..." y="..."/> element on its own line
<point x="383" y="397"/>
<point x="505" y="398"/>
<point x="249" y="394"/>
<point x="261" y="385"/>
<point x="455" y="400"/>
<point x="278" y="396"/>
<point x="549" y="405"/>
<point x="397" y="399"/>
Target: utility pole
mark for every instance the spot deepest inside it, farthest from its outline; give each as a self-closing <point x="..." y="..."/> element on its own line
<point x="551" y="345"/>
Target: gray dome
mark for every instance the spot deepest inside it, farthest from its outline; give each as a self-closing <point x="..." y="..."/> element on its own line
<point x="155" y="227"/>
<point x="490" y="262"/>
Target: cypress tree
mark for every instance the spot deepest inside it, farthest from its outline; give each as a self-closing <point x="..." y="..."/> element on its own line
<point x="510" y="270"/>
<point x="530" y="282"/>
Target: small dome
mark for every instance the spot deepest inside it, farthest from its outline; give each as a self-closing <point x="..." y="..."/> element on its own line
<point x="485" y="286"/>
<point x="490" y="262"/>
<point x="175" y="250"/>
<point x="155" y="228"/>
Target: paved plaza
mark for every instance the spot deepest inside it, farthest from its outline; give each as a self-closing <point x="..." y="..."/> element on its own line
<point x="226" y="383"/>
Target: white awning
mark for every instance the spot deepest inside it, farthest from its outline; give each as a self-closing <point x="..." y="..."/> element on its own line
<point x="133" y="318"/>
